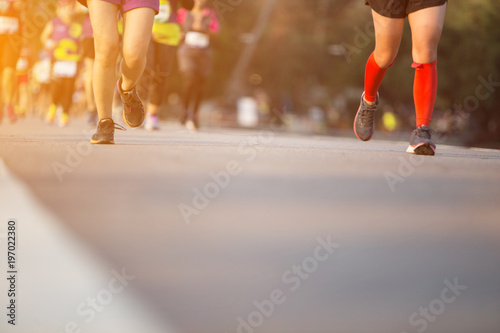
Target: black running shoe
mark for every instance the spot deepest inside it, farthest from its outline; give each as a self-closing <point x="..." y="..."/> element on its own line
<point x="105" y="134"/>
<point x="421" y="143"/>
<point x="133" y="109"/>
<point x="364" y="123"/>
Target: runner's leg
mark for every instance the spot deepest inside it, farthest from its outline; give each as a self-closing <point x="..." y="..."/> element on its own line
<point x="189" y="87"/>
<point x="9" y="85"/>
<point x="197" y="96"/>
<point x="146" y="83"/>
<point x="426" y="26"/>
<point x="164" y="55"/>
<point x="388" y="34"/>
<point x="103" y="16"/>
<point x="138" y="25"/>
<point x="89" y="93"/>
<point x="68" y="88"/>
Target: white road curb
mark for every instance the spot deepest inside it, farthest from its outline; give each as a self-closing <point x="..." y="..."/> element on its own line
<point x="58" y="277"/>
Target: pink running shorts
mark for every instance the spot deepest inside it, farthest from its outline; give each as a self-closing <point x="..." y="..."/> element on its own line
<point x="127" y="5"/>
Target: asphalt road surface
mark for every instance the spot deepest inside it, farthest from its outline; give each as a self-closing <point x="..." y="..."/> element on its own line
<point x="250" y="231"/>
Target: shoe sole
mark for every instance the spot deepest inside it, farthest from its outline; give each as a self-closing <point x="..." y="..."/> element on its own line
<point x="421" y="149"/>
<point x="129" y="124"/>
<point x="354" y="127"/>
<point x="95" y="142"/>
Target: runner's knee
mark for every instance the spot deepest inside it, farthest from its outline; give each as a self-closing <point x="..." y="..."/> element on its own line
<point x="133" y="58"/>
<point x="385" y="59"/>
<point x="424" y="55"/>
<point x="107" y="51"/>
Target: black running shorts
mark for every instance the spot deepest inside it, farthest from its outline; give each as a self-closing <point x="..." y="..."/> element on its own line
<point x="401" y="8"/>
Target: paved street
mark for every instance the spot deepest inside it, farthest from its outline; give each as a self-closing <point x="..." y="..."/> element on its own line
<point x="254" y="231"/>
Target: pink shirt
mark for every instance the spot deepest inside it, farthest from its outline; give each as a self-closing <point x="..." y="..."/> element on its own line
<point x="214" y="26"/>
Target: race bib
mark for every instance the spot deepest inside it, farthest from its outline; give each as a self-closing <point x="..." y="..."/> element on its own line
<point x="67" y="50"/>
<point x="22" y="64"/>
<point x="197" y="39"/>
<point x="41" y="71"/>
<point x="9" y="25"/>
<point x="64" y="69"/>
<point x="164" y="14"/>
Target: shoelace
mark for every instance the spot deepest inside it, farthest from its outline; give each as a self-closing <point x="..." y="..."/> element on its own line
<point x="131" y="99"/>
<point x="427" y="132"/>
<point x="119" y="127"/>
<point x="115" y="125"/>
<point x="367" y="116"/>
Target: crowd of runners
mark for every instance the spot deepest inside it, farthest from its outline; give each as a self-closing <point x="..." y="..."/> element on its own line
<point x="60" y="75"/>
<point x="100" y="48"/>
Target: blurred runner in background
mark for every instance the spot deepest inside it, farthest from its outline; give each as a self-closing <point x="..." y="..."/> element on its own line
<point x="138" y="18"/>
<point x="426" y="19"/>
<point x="23" y="80"/>
<point x="88" y="62"/>
<point x="62" y="36"/>
<point x="195" y="56"/>
<point x="41" y="83"/>
<point x="10" y="49"/>
<point x="161" y="52"/>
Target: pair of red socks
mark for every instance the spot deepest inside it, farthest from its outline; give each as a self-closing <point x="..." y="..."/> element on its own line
<point x="424" y="87"/>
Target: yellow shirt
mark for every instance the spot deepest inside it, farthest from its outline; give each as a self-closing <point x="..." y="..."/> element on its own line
<point x="166" y="30"/>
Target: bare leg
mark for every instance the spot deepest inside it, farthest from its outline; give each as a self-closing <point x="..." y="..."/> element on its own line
<point x="103" y="16"/>
<point x="9" y="85"/>
<point x="149" y="83"/>
<point x="426" y="28"/>
<point x="89" y="93"/>
<point x="23" y="98"/>
<point x="160" y="59"/>
<point x="136" y="37"/>
<point x="198" y="95"/>
<point x="153" y="109"/>
<point x="388" y="34"/>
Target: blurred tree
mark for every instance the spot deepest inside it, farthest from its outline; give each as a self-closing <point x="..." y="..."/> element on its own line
<point x="295" y="54"/>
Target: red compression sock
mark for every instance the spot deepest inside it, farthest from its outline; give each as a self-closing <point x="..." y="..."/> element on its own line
<point x="424" y="91"/>
<point x="373" y="78"/>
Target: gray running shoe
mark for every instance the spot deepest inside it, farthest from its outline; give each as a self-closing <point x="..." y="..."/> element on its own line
<point x="133" y="109"/>
<point x="105" y="134"/>
<point x="364" y="123"/>
<point x="421" y="143"/>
